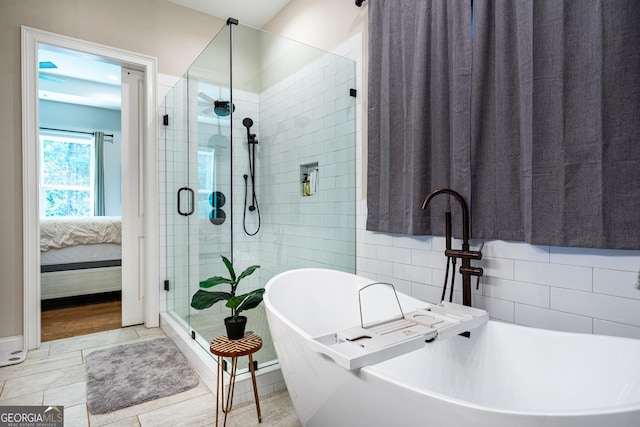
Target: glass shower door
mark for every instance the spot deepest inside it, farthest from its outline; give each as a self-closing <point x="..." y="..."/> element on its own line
<point x="175" y="111"/>
<point x="210" y="131"/>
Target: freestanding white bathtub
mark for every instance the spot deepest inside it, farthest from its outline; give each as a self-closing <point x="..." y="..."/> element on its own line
<point x="503" y="375"/>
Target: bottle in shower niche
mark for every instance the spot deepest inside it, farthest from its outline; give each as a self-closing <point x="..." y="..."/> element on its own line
<point x="306" y="186"/>
<point x="313" y="182"/>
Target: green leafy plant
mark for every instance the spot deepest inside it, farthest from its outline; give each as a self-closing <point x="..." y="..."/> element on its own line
<point x="237" y="303"/>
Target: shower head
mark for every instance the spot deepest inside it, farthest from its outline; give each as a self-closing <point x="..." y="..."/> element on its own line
<point x="251" y="137"/>
<point x="220" y="107"/>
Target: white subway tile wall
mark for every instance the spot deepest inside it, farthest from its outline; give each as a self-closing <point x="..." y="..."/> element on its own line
<point x="566" y="289"/>
<point x="308" y="119"/>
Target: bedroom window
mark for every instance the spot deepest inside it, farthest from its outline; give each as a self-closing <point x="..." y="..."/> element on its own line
<point x="206" y="174"/>
<point x="66" y="176"/>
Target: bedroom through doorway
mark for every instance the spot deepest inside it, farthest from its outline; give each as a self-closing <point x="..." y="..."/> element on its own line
<point x="80" y="196"/>
<point x="81" y="134"/>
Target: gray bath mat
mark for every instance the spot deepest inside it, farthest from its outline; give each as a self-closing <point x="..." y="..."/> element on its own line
<point x="130" y="374"/>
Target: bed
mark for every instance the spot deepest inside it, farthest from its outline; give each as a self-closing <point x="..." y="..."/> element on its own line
<point x="80" y="256"/>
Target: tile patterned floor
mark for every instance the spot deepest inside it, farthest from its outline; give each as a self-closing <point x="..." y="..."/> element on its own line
<point x="55" y="375"/>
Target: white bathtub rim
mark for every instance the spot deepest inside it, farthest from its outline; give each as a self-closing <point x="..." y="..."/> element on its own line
<point x="375" y="371"/>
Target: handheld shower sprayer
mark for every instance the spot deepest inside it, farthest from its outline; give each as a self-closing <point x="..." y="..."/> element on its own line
<point x="251" y="145"/>
<point x="251" y="137"/>
<point x="251" y="208"/>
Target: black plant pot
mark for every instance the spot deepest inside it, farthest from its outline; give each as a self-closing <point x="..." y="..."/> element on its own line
<point x="235" y="328"/>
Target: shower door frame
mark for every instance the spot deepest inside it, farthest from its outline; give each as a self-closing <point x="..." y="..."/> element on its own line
<point x="192" y="222"/>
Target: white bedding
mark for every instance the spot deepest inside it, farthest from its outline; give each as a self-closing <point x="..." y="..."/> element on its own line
<point x="63" y="232"/>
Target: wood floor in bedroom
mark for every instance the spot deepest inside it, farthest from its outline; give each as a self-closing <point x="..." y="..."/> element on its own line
<point x="86" y="319"/>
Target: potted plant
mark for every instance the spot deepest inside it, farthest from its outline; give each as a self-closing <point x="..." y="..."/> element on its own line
<point x="235" y="323"/>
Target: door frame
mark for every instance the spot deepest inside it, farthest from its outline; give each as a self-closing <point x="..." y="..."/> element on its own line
<point x="31" y="38"/>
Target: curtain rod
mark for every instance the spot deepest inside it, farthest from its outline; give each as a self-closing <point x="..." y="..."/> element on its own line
<point x="359" y="2"/>
<point x="110" y="135"/>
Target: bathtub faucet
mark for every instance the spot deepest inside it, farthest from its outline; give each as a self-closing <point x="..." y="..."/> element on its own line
<point x="466" y="270"/>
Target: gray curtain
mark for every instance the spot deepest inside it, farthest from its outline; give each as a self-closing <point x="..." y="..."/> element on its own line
<point x="98" y="209"/>
<point x="418" y="118"/>
<point x="556" y="122"/>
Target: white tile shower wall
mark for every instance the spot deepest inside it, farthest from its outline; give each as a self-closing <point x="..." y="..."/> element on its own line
<point x="307" y="118"/>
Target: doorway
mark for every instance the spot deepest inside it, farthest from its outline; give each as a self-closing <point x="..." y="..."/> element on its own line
<point x="80" y="192"/>
<point x="139" y="223"/>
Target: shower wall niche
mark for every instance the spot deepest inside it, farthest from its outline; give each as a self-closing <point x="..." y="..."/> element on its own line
<point x="301" y="114"/>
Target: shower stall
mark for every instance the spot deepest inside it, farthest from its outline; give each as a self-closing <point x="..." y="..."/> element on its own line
<point x="259" y="149"/>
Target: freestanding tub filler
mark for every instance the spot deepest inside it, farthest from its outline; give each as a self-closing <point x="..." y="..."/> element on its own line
<point x="326" y="328"/>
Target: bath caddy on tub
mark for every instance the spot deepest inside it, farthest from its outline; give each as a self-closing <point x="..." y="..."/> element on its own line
<point x="366" y="345"/>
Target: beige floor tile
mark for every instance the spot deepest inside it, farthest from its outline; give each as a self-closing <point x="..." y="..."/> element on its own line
<point x="38" y="353"/>
<point x="84" y="342"/>
<point x="36" y="366"/>
<point x="43" y="381"/>
<point x="276" y="409"/>
<point x="194" y="412"/>
<point x="76" y="416"/>
<point x="68" y="395"/>
<point x="145" y="332"/>
<point x="31" y="399"/>
<point x="127" y="422"/>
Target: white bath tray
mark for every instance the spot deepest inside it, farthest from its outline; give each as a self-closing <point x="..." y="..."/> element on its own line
<point x="361" y="346"/>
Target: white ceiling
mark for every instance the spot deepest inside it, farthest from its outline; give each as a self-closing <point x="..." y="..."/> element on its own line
<point x="88" y="80"/>
<point x="78" y="78"/>
<point x="252" y="12"/>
